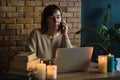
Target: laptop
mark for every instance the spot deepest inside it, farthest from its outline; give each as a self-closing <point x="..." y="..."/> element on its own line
<point x="73" y="59"/>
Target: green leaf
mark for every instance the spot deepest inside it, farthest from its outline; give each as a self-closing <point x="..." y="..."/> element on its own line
<point x="106" y="16"/>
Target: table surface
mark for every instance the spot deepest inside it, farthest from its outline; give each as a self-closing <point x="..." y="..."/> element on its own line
<point x="91" y="74"/>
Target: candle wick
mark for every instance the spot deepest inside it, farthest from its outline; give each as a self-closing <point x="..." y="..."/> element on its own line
<point x="50" y="62"/>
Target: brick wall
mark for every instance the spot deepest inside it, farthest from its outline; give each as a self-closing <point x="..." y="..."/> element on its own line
<point x="19" y="17"/>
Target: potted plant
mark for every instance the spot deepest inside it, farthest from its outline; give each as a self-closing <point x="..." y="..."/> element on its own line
<point x="106" y="34"/>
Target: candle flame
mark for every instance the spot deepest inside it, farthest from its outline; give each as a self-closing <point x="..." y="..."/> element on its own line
<point x="109" y="54"/>
<point x="41" y="62"/>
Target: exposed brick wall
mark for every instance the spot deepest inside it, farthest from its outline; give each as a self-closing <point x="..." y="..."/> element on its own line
<point x="19" y="17"/>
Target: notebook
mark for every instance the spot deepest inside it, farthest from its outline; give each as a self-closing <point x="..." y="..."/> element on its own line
<point x="73" y="59"/>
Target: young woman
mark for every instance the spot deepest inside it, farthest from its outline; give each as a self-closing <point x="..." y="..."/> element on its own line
<point x="52" y="35"/>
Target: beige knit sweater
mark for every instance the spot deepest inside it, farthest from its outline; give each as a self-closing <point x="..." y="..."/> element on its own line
<point x="45" y="46"/>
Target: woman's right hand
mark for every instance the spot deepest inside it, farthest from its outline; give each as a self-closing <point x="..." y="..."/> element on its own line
<point x="64" y="29"/>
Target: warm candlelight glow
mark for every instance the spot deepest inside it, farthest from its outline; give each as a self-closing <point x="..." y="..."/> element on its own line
<point x="102" y="63"/>
<point x="51" y="72"/>
<point x="103" y="58"/>
<point x="41" y="69"/>
<point x="110" y="54"/>
<point x="41" y="62"/>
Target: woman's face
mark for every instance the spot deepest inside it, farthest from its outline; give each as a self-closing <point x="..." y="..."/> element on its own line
<point x="54" y="20"/>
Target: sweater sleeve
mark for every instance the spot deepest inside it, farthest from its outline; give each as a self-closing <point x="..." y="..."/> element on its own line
<point x="66" y="42"/>
<point x="31" y="45"/>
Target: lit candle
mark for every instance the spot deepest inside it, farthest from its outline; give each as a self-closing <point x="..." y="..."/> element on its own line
<point x="102" y="63"/>
<point x="51" y="72"/>
<point x="41" y="68"/>
<point x="110" y="63"/>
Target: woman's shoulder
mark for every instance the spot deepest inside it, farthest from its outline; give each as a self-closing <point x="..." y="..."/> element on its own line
<point x="36" y="31"/>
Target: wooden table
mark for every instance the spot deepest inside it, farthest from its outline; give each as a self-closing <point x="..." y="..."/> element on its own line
<point x="91" y="74"/>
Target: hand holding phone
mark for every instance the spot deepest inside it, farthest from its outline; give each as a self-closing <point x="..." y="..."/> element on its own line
<point x="63" y="27"/>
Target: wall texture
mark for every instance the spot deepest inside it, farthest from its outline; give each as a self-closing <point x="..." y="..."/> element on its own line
<point x="19" y="17"/>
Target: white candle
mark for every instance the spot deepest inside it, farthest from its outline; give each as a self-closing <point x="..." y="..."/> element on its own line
<point x="41" y="68"/>
<point x="102" y="63"/>
<point x="51" y="72"/>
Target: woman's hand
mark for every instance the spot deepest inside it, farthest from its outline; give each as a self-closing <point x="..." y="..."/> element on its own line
<point x="64" y="29"/>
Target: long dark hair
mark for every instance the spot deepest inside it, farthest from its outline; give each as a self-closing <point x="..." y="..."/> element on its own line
<point x="48" y="11"/>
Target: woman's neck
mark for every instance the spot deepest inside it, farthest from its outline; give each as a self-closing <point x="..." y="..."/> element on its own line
<point x="51" y="33"/>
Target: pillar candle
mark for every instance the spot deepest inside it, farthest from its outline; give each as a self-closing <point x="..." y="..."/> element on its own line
<point x="110" y="63"/>
<point x="51" y="72"/>
<point x="41" y="68"/>
<point x="102" y="63"/>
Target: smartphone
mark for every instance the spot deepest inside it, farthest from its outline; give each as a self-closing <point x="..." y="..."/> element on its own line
<point x="61" y="27"/>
